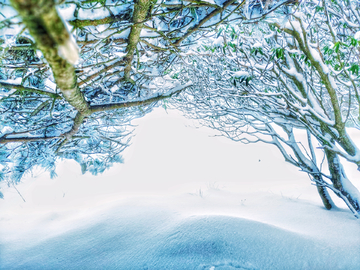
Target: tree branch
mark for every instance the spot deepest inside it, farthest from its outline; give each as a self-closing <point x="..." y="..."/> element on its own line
<point x="108" y="107"/>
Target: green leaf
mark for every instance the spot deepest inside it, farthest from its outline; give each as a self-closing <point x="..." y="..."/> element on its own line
<point x="194" y="14"/>
<point x="318" y="9"/>
<point x="354" y="69"/>
<point x="219" y="32"/>
<point x="353" y="41"/>
<point x="337" y="46"/>
<point x="279" y="53"/>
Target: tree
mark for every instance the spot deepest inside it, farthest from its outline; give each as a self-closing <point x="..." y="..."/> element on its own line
<point x="258" y="82"/>
<point x="75" y="73"/>
<point x="49" y="108"/>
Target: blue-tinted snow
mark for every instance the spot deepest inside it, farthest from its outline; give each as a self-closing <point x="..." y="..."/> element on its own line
<point x="151" y="239"/>
<point x="193" y="203"/>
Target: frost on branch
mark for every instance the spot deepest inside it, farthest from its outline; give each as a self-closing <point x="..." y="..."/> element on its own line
<point x="267" y="79"/>
<point x="69" y="51"/>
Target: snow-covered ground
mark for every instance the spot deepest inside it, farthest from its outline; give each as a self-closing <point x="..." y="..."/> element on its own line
<point x="182" y="200"/>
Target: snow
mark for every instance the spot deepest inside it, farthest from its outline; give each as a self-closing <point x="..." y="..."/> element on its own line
<point x="93" y="14"/>
<point x="120" y="54"/>
<point x="357" y="35"/>
<point x="257" y="45"/>
<point x="69" y="51"/>
<point x="240" y="73"/>
<point x="67" y="12"/>
<point x="6" y="130"/>
<point x="15" y="81"/>
<point x="148" y="33"/>
<point x="218" y="41"/>
<point x="50" y="84"/>
<point x="182" y="200"/>
<point x="210" y="2"/>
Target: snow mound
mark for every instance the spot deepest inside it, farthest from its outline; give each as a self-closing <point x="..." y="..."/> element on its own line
<point x="140" y="236"/>
<point x="207" y="216"/>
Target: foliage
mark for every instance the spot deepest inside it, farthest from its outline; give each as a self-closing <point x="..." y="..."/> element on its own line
<point x="258" y="82"/>
<point x="74" y="74"/>
<point x="122" y="51"/>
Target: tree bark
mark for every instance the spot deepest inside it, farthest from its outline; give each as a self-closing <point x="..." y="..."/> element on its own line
<point x="324" y="194"/>
<point x="338" y="177"/>
<point x="50" y="34"/>
<point x="141" y="10"/>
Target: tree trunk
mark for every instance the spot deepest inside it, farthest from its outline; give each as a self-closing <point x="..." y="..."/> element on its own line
<point x="350" y="195"/>
<point x="141" y="10"/>
<point x="52" y="37"/>
<point x="324" y="194"/>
